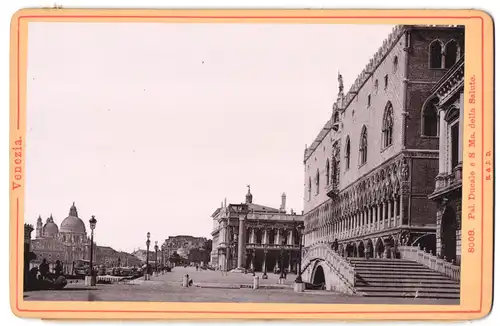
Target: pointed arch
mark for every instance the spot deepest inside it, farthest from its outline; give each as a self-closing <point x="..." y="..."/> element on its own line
<point x="451" y="53"/>
<point x="430" y="121"/>
<point x="452" y="114"/>
<point x="336" y="117"/>
<point x="347" y="153"/>
<point x="395" y="64"/>
<point x="309" y="189"/>
<point x="327" y="172"/>
<point x="363" y="146"/>
<point x="317" y="181"/>
<point x="436" y="54"/>
<point x="387" y="125"/>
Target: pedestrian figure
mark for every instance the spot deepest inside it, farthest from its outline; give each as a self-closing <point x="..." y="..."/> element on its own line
<point x="58" y="269"/>
<point x="335" y="245"/>
<point x="368" y="253"/>
<point x="44" y="268"/>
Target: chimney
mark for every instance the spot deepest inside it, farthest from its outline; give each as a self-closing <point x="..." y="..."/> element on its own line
<point x="283" y="202"/>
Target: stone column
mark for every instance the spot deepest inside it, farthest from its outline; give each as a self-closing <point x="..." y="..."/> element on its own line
<point x="223" y="233"/>
<point x="372" y="217"/>
<point x="252" y="236"/>
<point x="460" y="131"/>
<point x="395" y="210"/>
<point x="442" y="141"/>
<point x="241" y="242"/>
<point x="380" y="214"/>
<point x="401" y="209"/>
<point x="365" y="219"/>
<point x="384" y="214"/>
<point x="266" y="237"/>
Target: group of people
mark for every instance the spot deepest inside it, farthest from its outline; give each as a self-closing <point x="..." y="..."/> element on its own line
<point x="367" y="254"/>
<point x="43" y="271"/>
<point x="41" y="277"/>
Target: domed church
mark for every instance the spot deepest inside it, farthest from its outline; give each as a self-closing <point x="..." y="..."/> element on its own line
<point x="67" y="243"/>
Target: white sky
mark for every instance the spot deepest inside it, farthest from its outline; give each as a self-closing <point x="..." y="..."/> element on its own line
<point x="150" y="126"/>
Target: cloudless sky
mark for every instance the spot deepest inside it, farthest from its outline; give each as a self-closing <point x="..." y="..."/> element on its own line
<point x="149" y="126"/>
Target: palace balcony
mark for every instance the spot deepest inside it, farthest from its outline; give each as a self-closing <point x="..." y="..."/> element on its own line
<point x="448" y="182"/>
<point x="332" y="190"/>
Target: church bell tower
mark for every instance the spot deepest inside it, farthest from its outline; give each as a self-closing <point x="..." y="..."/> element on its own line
<point x="39" y="227"/>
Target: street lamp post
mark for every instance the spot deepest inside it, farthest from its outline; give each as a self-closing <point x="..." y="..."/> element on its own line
<point x="233" y="254"/>
<point x="299" y="271"/>
<point x="282" y="251"/>
<point x="162" y="261"/>
<point x="93" y="223"/>
<point x="156" y="258"/>
<point x="253" y="262"/>
<point x="148" y="242"/>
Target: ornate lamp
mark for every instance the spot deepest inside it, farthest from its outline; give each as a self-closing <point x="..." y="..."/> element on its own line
<point x="148" y="242"/>
<point x="92" y="223"/>
<point x="156" y="256"/>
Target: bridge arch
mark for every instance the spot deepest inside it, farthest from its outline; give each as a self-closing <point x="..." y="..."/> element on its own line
<point x="321" y="264"/>
<point x="319" y="275"/>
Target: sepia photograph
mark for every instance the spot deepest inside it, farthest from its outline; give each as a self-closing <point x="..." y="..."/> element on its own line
<point x="257" y="163"/>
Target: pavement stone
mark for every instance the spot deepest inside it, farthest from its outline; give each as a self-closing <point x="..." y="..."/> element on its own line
<point x="231" y="288"/>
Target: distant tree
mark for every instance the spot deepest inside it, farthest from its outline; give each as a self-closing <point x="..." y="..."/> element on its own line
<point x="175" y="258"/>
<point x="207" y="249"/>
<point x="196" y="255"/>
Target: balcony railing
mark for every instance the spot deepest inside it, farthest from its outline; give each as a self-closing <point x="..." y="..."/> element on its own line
<point x="433" y="262"/>
<point x="332" y="190"/>
<point x="270" y="246"/>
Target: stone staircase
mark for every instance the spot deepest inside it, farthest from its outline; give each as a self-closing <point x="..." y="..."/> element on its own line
<point x="401" y="278"/>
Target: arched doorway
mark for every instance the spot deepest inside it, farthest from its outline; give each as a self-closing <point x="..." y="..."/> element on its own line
<point x="427" y="241"/>
<point x="369" y="252"/>
<point x="319" y="276"/>
<point x="390" y="245"/>
<point x="349" y="250"/>
<point x="449" y="234"/>
<point x="361" y="249"/>
<point x="341" y="250"/>
<point x="379" y="248"/>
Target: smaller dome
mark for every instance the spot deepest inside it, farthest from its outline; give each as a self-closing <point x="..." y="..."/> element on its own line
<point x="50" y="228"/>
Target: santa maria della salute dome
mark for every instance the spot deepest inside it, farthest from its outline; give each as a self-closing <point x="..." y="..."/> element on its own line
<point x="72" y="223"/>
<point x="67" y="243"/>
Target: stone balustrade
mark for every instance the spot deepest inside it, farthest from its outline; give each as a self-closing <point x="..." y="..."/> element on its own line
<point x="429" y="260"/>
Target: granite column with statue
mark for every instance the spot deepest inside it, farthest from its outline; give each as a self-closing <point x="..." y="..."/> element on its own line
<point x="241" y="243"/>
